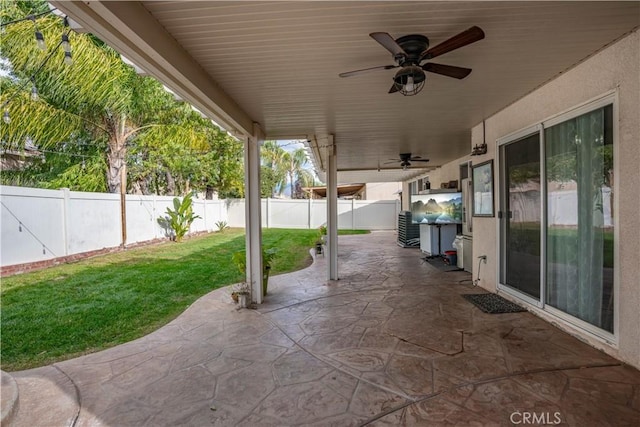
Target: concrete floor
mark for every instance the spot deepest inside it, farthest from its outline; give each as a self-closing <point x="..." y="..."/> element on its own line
<point x="391" y="343"/>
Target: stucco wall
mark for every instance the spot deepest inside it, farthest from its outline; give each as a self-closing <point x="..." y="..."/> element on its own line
<point x="616" y="68"/>
<point x="382" y="190"/>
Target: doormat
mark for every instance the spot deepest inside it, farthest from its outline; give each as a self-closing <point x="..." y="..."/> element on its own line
<point x="493" y="303"/>
<point x="438" y="262"/>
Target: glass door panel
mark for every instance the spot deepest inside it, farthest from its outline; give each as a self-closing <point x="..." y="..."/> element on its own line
<point x="521" y="216"/>
<point x="579" y="179"/>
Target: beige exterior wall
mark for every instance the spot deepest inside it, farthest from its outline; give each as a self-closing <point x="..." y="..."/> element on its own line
<point x="616" y="68"/>
<point x="382" y="190"/>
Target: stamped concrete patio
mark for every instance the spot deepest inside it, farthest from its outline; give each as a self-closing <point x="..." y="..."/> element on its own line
<point x="391" y="343"/>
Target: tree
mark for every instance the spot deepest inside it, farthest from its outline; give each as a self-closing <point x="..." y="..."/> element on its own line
<point x="99" y="100"/>
<point x="273" y="159"/>
<point x="282" y="168"/>
<point x="295" y="163"/>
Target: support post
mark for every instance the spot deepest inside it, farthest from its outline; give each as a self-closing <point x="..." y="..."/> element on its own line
<point x="123" y="202"/>
<point x="332" y="210"/>
<point x="253" y="229"/>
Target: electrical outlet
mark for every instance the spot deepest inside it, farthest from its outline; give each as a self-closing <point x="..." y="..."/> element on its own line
<point x="483" y="258"/>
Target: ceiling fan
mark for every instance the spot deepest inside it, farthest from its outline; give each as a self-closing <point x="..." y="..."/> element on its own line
<point x="410" y="53"/>
<point x="406" y="159"/>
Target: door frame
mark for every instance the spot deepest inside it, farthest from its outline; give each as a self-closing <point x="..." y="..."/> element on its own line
<point x="502" y="193"/>
<point x="608" y="98"/>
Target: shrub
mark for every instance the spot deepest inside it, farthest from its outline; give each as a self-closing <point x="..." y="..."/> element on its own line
<point x="222" y="225"/>
<point x="179" y="219"/>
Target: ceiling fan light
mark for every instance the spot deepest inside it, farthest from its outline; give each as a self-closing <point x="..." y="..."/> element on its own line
<point x="409" y="87"/>
<point x="409" y="80"/>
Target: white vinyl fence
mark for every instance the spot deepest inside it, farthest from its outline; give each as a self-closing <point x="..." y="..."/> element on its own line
<point x="38" y="225"/>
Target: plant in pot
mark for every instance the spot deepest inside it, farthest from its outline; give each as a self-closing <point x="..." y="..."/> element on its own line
<point x="268" y="257"/>
<point x="322" y="235"/>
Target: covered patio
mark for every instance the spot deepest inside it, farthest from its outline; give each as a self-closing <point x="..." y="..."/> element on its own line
<point x="391" y="343"/>
<point x="385" y="339"/>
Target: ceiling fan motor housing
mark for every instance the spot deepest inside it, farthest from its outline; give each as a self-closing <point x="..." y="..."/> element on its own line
<point x="413" y="45"/>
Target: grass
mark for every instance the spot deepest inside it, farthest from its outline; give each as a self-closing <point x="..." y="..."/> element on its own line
<point x="74" y="309"/>
<point x="560" y="240"/>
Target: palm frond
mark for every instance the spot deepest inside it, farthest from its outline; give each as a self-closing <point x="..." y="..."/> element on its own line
<point x="37" y="121"/>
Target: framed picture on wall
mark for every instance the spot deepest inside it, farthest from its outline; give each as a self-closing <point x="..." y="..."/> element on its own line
<point x="483" y="189"/>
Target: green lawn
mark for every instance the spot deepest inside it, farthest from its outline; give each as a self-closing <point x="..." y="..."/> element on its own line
<point x="559" y="239"/>
<point x="73" y="309"/>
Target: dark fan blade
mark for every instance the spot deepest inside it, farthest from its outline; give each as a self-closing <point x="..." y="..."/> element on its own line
<point x="366" y="70"/>
<point x="388" y="43"/>
<point x="419" y="160"/>
<point x="469" y="36"/>
<point x="393" y="161"/>
<point x="394" y="89"/>
<point x="447" y="70"/>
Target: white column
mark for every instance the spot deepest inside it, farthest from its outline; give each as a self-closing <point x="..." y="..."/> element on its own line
<point x="332" y="210"/>
<point x="252" y="204"/>
<point x="406" y="194"/>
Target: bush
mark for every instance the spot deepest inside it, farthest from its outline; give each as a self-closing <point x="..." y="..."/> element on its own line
<point x="179" y="219"/>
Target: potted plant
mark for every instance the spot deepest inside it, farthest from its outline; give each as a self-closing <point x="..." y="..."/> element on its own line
<point x="323" y="233"/>
<point x="268" y="256"/>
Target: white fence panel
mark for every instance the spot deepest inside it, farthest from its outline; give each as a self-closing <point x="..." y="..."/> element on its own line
<point x="375" y="214"/>
<point x="218" y="212"/>
<point x="141" y="218"/>
<point x="345" y="215"/>
<point x="200" y="223"/>
<point x="162" y="203"/>
<point x="213" y="212"/>
<point x="94" y="221"/>
<point x="287" y="213"/>
<point x="318" y="213"/>
<point x="32" y="225"/>
<point x="235" y="212"/>
<point x="38" y="225"/>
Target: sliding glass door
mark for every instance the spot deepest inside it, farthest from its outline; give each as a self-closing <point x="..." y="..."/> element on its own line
<point x="557" y="216"/>
<point x="579" y="180"/>
<point x="520" y="216"/>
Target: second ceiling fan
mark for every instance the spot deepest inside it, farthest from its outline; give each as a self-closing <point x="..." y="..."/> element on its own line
<point x="406" y="159"/>
<point x="410" y="53"/>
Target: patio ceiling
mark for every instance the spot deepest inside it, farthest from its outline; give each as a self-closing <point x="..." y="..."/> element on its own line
<point x="277" y="64"/>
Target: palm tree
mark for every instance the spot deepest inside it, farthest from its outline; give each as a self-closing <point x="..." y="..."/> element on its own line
<point x="97" y="100"/>
<point x="273" y="157"/>
<point x="295" y="162"/>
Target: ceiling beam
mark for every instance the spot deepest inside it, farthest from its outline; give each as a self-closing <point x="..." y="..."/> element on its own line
<point x="130" y="29"/>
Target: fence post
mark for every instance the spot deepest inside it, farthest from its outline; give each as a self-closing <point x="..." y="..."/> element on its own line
<point x="353" y="214"/>
<point x="268" y="213"/>
<point x="153" y="216"/>
<point x="204" y="214"/>
<point x="66" y="197"/>
<point x="309" y="212"/>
